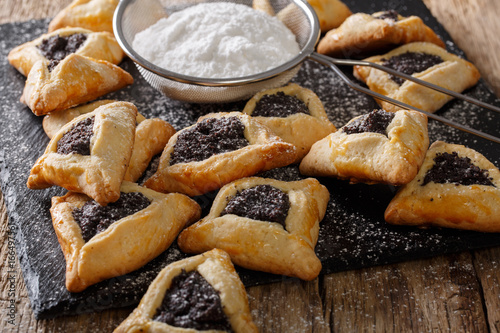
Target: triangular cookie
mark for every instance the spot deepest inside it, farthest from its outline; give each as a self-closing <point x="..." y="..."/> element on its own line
<point x="98" y="167"/>
<point x="75" y="80"/>
<point x="99" y="248"/>
<point x="265" y="225"/>
<point x="293" y="113"/>
<point x="378" y="147"/>
<point x="54" y="45"/>
<point x="95" y="15"/>
<point x="219" y="148"/>
<point x="432" y="63"/>
<point x="223" y="293"/>
<point x="456" y="187"/>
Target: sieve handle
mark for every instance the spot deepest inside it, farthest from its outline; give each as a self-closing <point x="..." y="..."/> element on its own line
<point x="332" y="63"/>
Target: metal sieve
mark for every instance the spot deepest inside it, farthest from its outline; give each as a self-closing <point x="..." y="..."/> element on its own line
<point x="133" y="16"/>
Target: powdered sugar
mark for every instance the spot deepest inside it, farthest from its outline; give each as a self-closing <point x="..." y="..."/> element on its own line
<point x="217" y="40"/>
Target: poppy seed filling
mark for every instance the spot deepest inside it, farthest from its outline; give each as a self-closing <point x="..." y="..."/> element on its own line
<point x="77" y="139"/>
<point x="279" y="105"/>
<point x="209" y="137"/>
<point x="191" y="302"/>
<point x="375" y="121"/>
<point x="261" y="202"/>
<point x="56" y="48"/>
<point x="410" y="63"/>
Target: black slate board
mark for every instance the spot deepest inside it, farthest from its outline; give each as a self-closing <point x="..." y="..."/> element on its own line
<point x="352" y="235"/>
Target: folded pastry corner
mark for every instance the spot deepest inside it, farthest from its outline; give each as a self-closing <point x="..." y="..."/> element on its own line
<point x="95" y="15"/>
<point x="101" y="242"/>
<point x="56" y="45"/>
<point x="265" y="225"/>
<point x="207" y="282"/>
<point x="363" y="34"/>
<point x="294" y="113"/>
<point x="456" y="187"/>
<point x="90" y="154"/>
<point x="219" y="148"/>
<point x="424" y="61"/>
<point x="75" y="80"/>
<point x="378" y="147"/>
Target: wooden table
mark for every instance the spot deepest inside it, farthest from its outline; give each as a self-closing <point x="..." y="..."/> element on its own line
<point x="454" y="293"/>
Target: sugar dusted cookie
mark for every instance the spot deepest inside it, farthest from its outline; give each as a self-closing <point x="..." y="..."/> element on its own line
<point x="294" y="113"/>
<point x="56" y="45"/>
<point x="101" y="242"/>
<point x="90" y="154"/>
<point x="207" y="282"/>
<point x="378" y="147"/>
<point x="218" y="149"/>
<point x="265" y="225"/>
<point x="456" y="187"/>
<point x="363" y="34"/>
<point x="424" y="61"/>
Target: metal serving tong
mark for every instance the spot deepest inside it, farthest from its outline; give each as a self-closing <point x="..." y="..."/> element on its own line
<point x="332" y="63"/>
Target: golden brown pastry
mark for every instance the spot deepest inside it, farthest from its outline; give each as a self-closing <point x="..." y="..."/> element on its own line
<point x="362" y="34"/>
<point x="446" y="70"/>
<point x="75" y="80"/>
<point x="302" y="118"/>
<point x="95" y="15"/>
<point x="456" y="187"/>
<point x="378" y="147"/>
<point x="151" y="135"/>
<point x="94" y="162"/>
<point x="331" y="13"/>
<point x="278" y="243"/>
<point x="59" y="43"/>
<point x="214" y="267"/>
<point x="264" y="6"/>
<point x="219" y="148"/>
<point x="138" y="236"/>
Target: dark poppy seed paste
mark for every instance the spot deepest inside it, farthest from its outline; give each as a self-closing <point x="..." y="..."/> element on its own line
<point x="94" y="218"/>
<point x="388" y="15"/>
<point x="262" y="202"/>
<point x="209" y="137"/>
<point x="77" y="139"/>
<point x="411" y="62"/>
<point x="375" y="121"/>
<point x="191" y="302"/>
<point x="57" y="47"/>
<point x="279" y="105"/>
<point x="450" y="168"/>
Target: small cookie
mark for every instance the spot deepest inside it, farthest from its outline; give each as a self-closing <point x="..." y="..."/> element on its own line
<point x="75" y="80"/>
<point x="56" y="45"/>
<point x="456" y="187"/>
<point x="95" y="15"/>
<point x="331" y="13"/>
<point x="378" y="147"/>
<point x="90" y="154"/>
<point x="215" y="283"/>
<point x="103" y="242"/>
<point x="362" y="34"/>
<point x="294" y="113"/>
<point x="219" y="148"/>
<point x="265" y="225"/>
<point x="424" y="61"/>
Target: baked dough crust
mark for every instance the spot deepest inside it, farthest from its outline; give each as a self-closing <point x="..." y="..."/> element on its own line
<point x="454" y="73"/>
<point x="216" y="267"/>
<point x="100" y="174"/>
<point x="98" y="45"/>
<point x="472" y="207"/>
<point x="127" y="244"/>
<point x="260" y="245"/>
<point x="264" y="152"/>
<point x="372" y="157"/>
<point x="75" y="80"/>
<point x="95" y="15"/>
<point x="300" y="129"/>
<point x="361" y="34"/>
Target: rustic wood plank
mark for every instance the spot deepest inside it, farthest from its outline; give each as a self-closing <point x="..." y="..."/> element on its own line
<point x="439" y="294"/>
<point x="22" y="10"/>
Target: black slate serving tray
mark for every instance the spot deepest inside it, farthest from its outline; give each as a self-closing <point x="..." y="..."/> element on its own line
<point x="353" y="233"/>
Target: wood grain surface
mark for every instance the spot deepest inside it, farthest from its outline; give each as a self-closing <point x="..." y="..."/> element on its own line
<point x="452" y="293"/>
